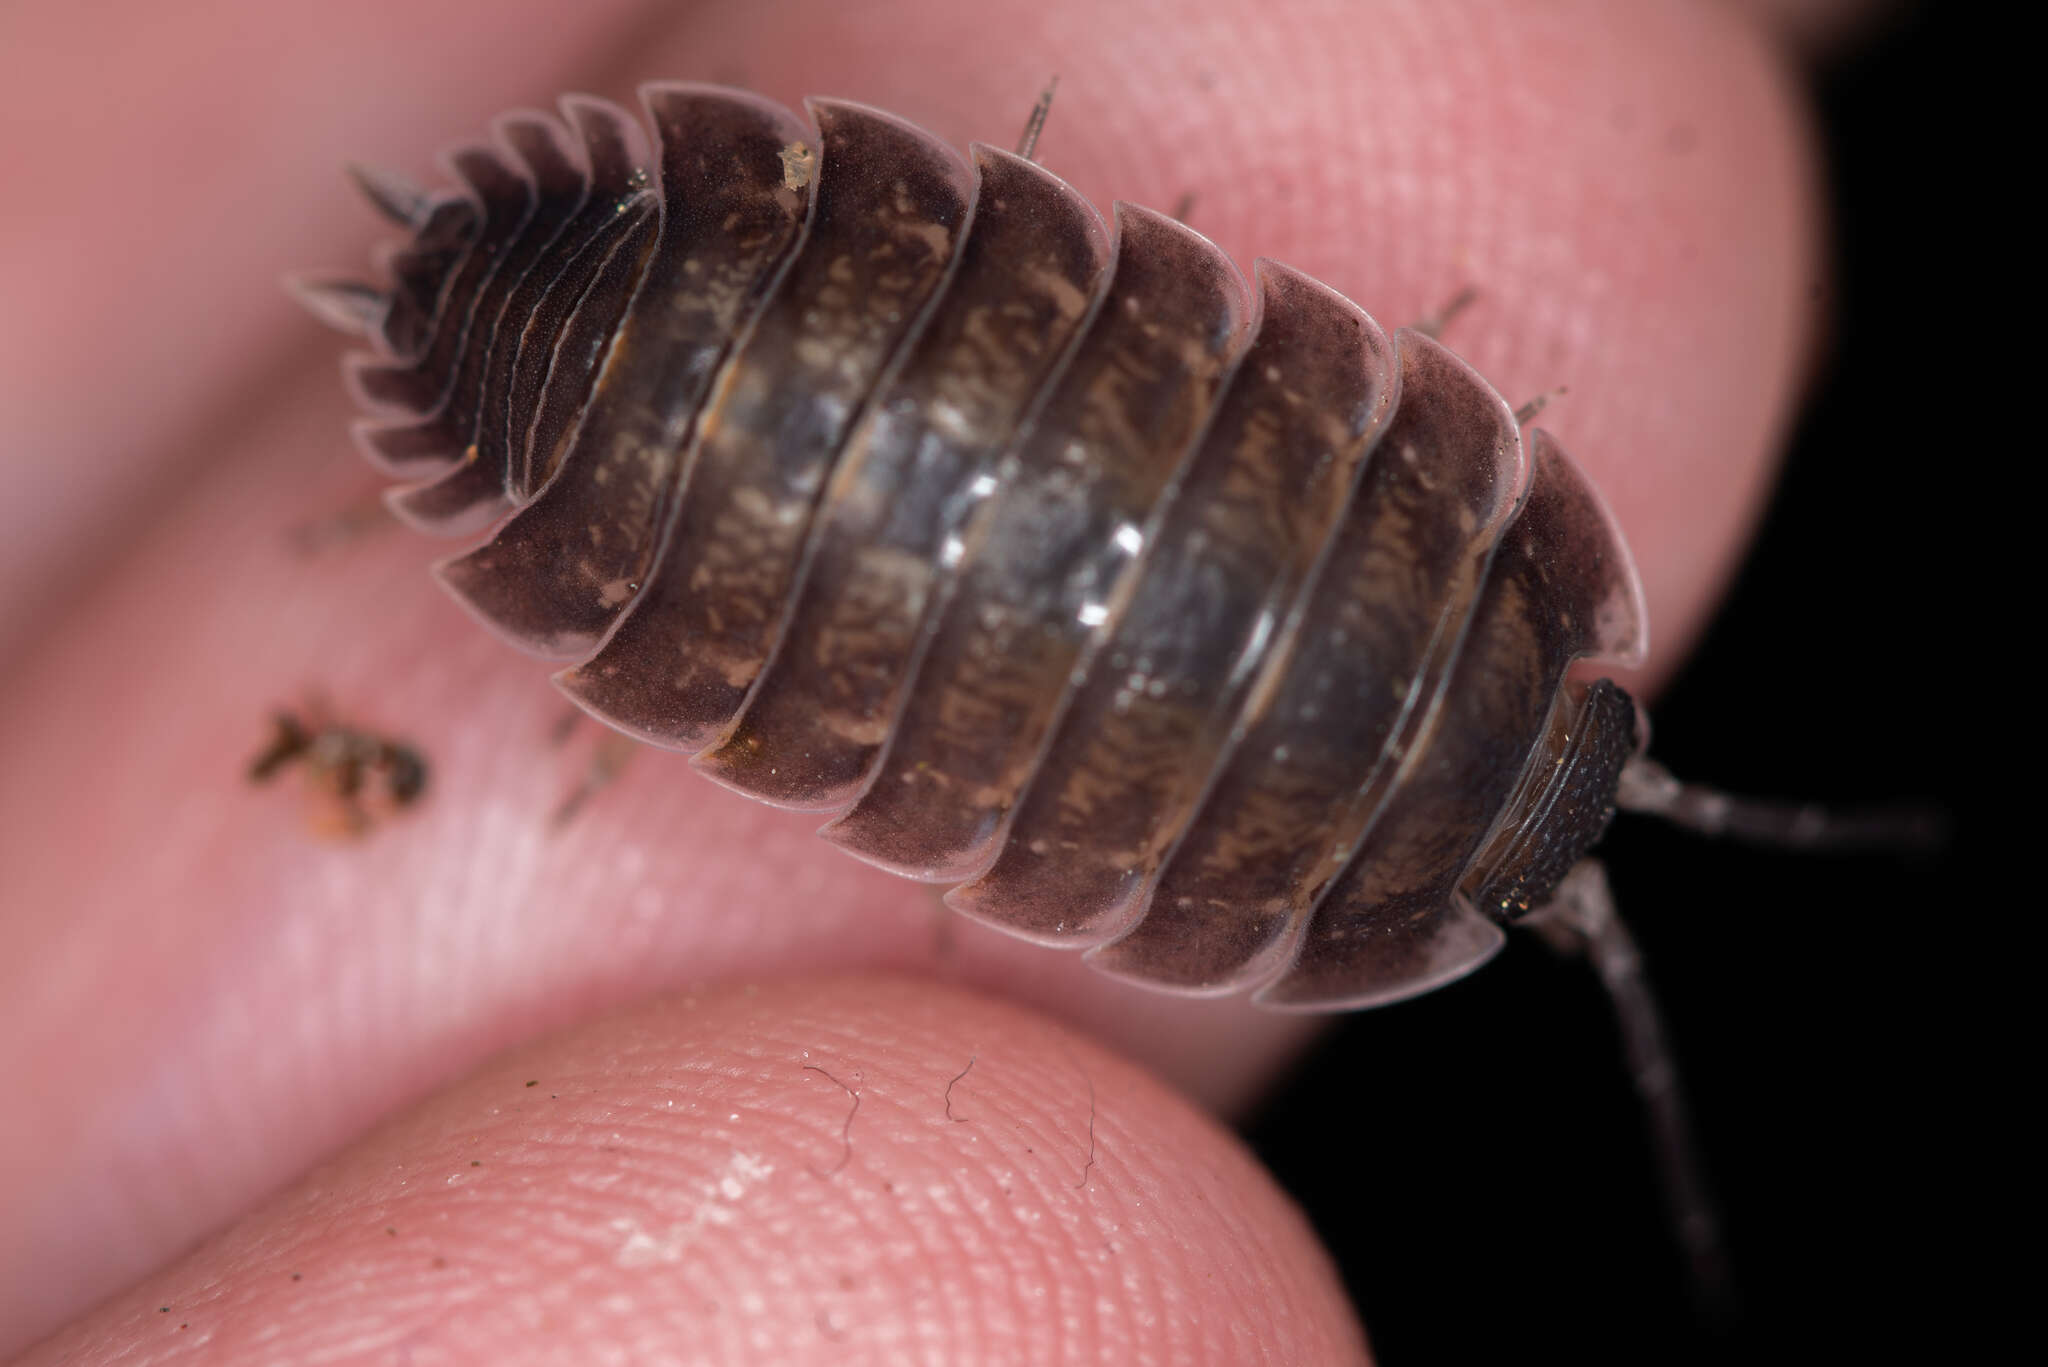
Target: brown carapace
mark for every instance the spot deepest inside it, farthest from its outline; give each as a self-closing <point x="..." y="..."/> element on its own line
<point x="1199" y="623"/>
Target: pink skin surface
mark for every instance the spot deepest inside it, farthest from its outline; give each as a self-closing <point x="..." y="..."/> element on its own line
<point x="201" y="999"/>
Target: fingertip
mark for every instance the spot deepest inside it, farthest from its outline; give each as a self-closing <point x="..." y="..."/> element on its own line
<point x="807" y="1172"/>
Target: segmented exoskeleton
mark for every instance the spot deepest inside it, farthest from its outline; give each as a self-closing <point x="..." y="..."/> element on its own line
<point x="1208" y="626"/>
<point x="1201" y="624"/>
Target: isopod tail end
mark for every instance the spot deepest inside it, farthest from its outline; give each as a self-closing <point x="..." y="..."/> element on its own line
<point x="393" y="195"/>
<point x="346" y="305"/>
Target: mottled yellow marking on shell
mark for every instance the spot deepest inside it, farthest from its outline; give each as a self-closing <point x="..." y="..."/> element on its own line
<point x="799" y="164"/>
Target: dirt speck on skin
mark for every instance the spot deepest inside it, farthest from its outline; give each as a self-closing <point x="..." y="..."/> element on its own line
<point x="353" y="778"/>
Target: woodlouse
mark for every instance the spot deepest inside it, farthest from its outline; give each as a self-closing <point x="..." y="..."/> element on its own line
<point x="1215" y="629"/>
<point x="1218" y="631"/>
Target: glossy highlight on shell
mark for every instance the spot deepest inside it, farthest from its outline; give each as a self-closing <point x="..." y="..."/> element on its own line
<point x="1198" y="623"/>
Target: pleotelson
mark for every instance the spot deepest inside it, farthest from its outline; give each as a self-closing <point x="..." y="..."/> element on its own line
<point x="1205" y="626"/>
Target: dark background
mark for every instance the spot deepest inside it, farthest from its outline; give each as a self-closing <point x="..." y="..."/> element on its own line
<point x="1475" y="1159"/>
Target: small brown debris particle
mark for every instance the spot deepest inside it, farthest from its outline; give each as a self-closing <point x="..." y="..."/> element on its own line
<point x="534" y="1083"/>
<point x="352" y="777"/>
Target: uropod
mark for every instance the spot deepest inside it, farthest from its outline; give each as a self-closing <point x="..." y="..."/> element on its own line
<point x="1197" y="623"/>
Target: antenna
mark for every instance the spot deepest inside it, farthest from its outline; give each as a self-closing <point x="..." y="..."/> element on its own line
<point x="1648" y="787"/>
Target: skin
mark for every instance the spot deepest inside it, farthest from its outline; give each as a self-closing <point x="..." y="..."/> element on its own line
<point x="187" y="1029"/>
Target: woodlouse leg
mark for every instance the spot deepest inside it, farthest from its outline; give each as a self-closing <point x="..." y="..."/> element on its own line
<point x="1581" y="917"/>
<point x="1433" y="326"/>
<point x="608" y="759"/>
<point x="1027" y="146"/>
<point x="1526" y="414"/>
<point x="565" y="726"/>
